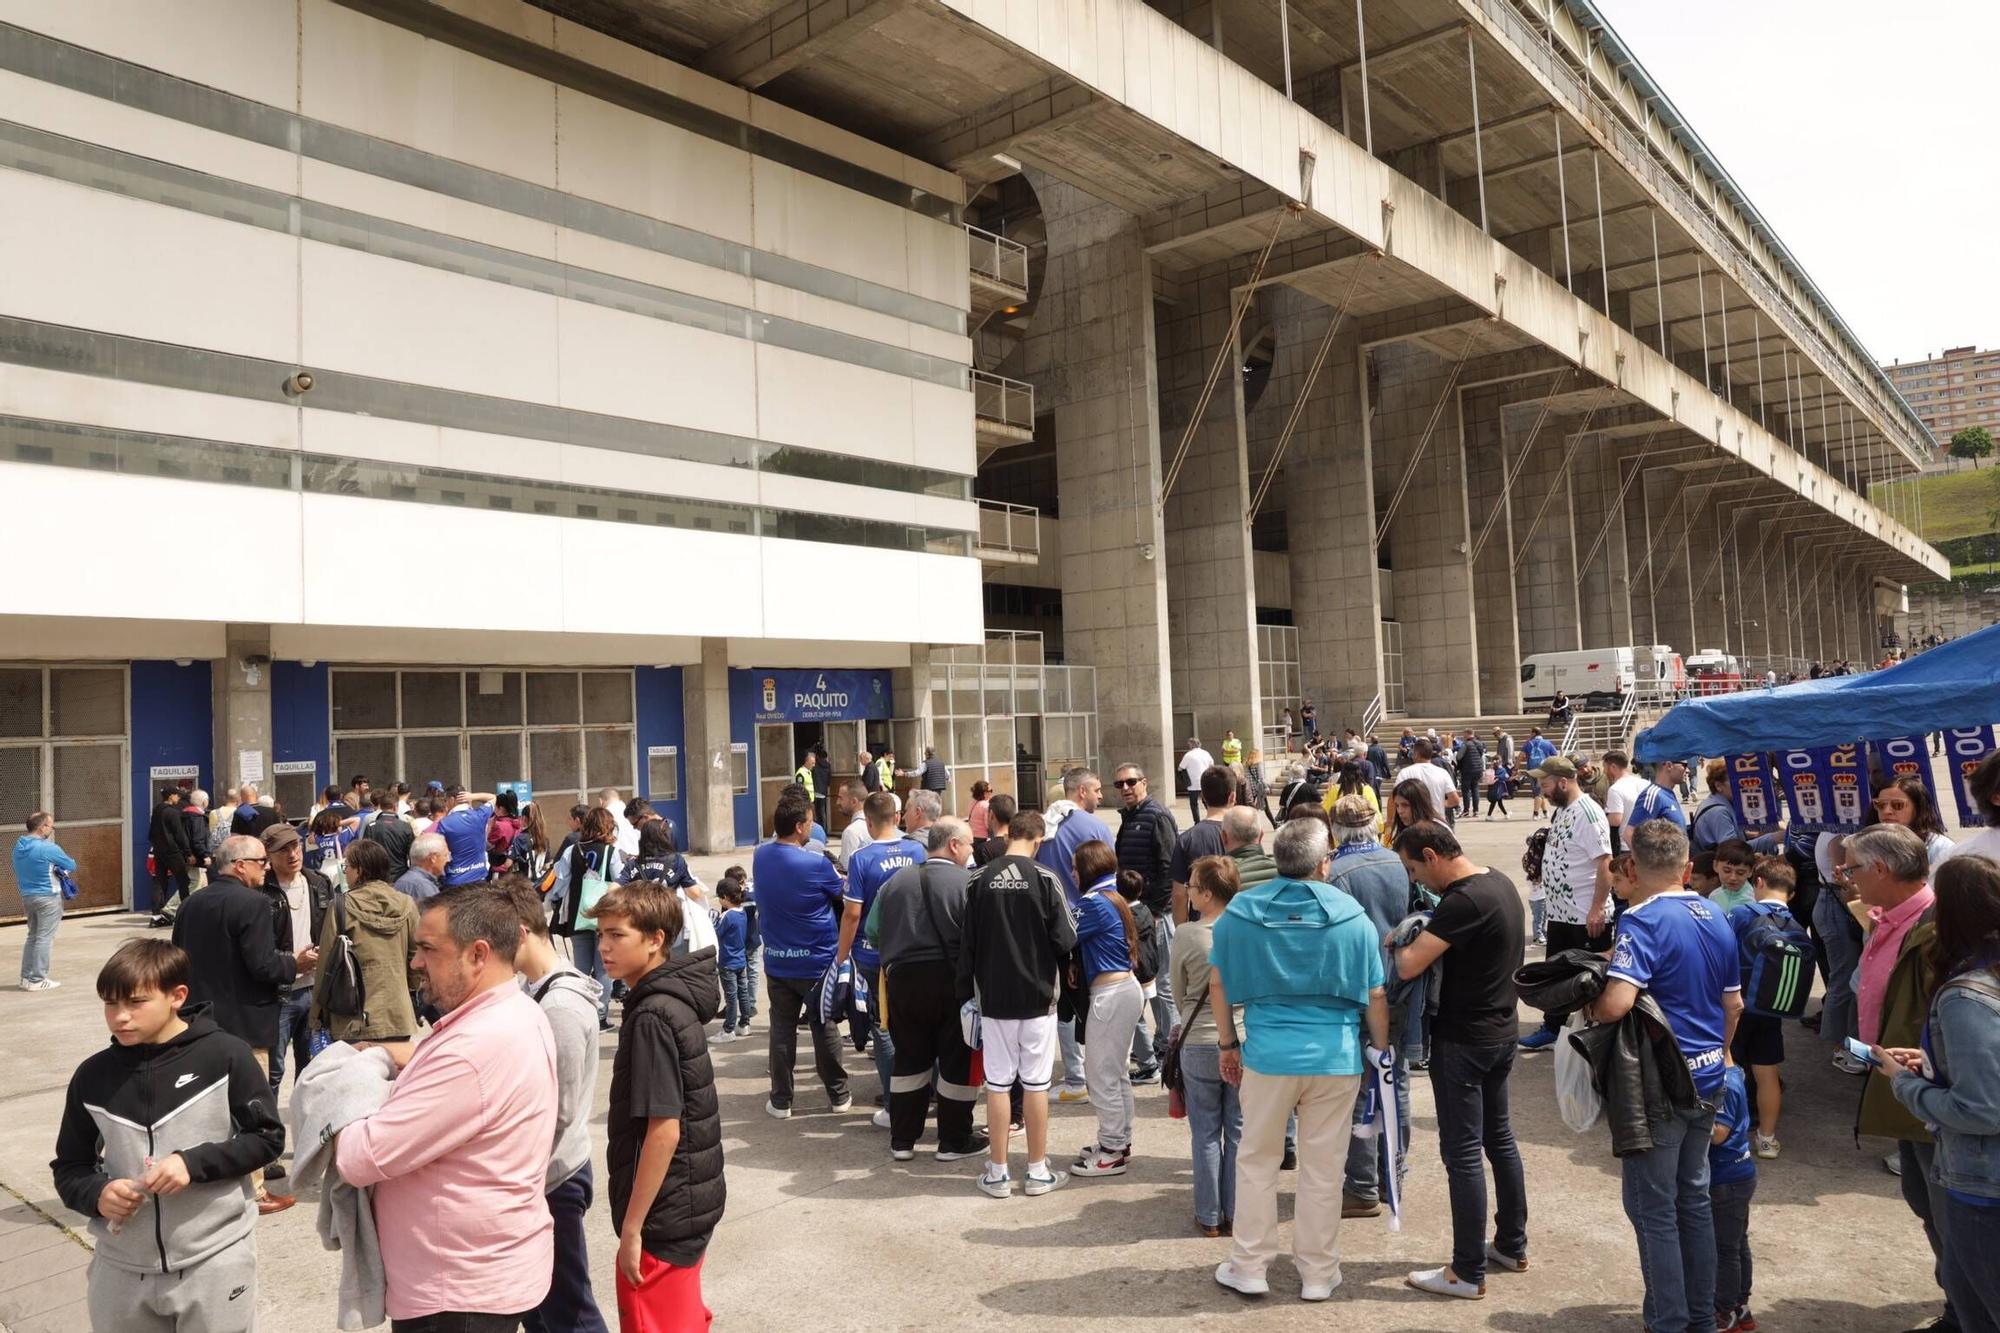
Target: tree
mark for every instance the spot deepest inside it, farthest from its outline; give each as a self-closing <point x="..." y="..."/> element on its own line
<point x="1974" y="442"/>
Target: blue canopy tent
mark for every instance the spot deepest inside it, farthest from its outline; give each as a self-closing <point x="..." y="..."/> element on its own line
<point x="1954" y="685"/>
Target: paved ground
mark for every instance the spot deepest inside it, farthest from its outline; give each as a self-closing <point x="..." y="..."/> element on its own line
<point x="824" y="1231"/>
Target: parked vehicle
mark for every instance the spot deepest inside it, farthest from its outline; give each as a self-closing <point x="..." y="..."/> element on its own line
<point x="1597" y="679"/>
<point x="1712" y="671"/>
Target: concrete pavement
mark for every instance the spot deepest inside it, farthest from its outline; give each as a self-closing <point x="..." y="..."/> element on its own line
<point x="823" y="1230"/>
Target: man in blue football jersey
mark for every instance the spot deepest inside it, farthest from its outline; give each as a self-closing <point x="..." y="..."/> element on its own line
<point x="867" y="871"/>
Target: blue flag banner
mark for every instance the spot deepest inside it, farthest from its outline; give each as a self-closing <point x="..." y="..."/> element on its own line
<point x="1847" y="780"/>
<point x="1753" y="793"/>
<point x="1965" y="748"/>
<point x="1806" y="783"/>
<point x="1906" y="757"/>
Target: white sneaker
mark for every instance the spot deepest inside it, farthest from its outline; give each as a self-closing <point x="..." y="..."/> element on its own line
<point x="46" y="983"/>
<point x="1504" y="1262"/>
<point x="843" y="1106"/>
<point x="1764" y="1145"/>
<point x="1319" y="1291"/>
<point x="881" y="1120"/>
<point x="1068" y="1095"/>
<point x="1226" y="1275"/>
<point x="1033" y="1184"/>
<point x="996" y="1187"/>
<point x="902" y="1154"/>
<point x="721" y="1037"/>
<point x="1440" y="1282"/>
<point x="777" y="1112"/>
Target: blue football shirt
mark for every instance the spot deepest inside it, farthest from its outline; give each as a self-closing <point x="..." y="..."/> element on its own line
<point x="1677" y="948"/>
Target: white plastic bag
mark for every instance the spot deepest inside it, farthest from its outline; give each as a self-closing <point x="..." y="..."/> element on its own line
<point x="1578" y="1102"/>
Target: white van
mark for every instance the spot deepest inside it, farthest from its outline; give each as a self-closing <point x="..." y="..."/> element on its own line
<point x="1597" y="678"/>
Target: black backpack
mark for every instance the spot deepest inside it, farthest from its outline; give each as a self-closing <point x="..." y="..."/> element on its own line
<point x="344" y="992"/>
<point x="1778" y="957"/>
<point x="1148" y="966"/>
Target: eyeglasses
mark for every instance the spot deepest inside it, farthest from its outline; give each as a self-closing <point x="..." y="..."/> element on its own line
<point x="255" y="860"/>
<point x="1128" y="782"/>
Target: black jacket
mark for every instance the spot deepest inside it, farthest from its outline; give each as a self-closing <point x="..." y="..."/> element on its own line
<point x="195" y="823"/>
<point x="1146" y="836"/>
<point x="253" y="824"/>
<point x="200" y="1095"/>
<point x="1636" y="1066"/>
<point x="394" y="835"/>
<point x="319" y="896"/>
<point x="168" y="834"/>
<point x="1016" y="933"/>
<point x="664" y="1015"/>
<point x="237" y="965"/>
<point x="1472" y="757"/>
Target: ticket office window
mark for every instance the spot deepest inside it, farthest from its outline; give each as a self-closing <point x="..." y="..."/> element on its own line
<point x="64" y="748"/>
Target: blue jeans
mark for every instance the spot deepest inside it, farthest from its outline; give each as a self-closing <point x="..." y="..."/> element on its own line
<point x="1540" y="909"/>
<point x="1215" y="1126"/>
<point x="1072" y="1054"/>
<point x="1666" y="1196"/>
<point x="570" y="1306"/>
<point x="735" y="999"/>
<point x="1469" y="1085"/>
<point x="1931" y="1203"/>
<point x="583" y="953"/>
<point x="885" y="1049"/>
<point x="1972" y="1265"/>
<point x="1729" y="1201"/>
<point x="44" y="911"/>
<point x="1839" y="1018"/>
<point x="293" y="1013"/>
<point x="1366" y="1156"/>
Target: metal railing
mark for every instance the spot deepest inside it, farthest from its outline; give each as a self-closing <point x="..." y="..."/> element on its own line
<point x="1009" y="530"/>
<point x="1002" y="401"/>
<point x="998" y="259"/>
<point x="1734" y="257"/>
<point x="1371" y="716"/>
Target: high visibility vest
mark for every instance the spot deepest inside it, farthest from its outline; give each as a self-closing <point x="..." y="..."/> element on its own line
<point x="804" y="777"/>
<point x="887" y="772"/>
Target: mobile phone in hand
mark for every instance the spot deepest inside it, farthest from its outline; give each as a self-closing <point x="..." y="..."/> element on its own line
<point x="1859" y="1050"/>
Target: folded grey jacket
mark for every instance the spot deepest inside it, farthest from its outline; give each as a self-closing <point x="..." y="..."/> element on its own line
<point x="340" y="1086"/>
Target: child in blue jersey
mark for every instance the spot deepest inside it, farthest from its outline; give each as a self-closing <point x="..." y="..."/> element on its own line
<point x="1732" y="1180"/>
<point x="732" y="932"/>
<point x="1107" y="959"/>
<point x="1759" y="1044"/>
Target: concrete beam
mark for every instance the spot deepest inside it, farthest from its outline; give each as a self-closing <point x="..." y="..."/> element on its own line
<point x="791" y="36"/>
<point x="967" y="145"/>
<point x="1387" y="53"/>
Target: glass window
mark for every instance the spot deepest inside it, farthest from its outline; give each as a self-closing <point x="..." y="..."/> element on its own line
<point x="496" y="758"/>
<point x="88" y="782"/>
<point x="368" y="754"/>
<point x="364" y="701"/>
<point x="21" y="705"/>
<point x="739" y="768"/>
<point x="552" y="699"/>
<point x="432" y="699"/>
<point x="607" y="759"/>
<point x="555" y="758"/>
<point x="493" y="698"/>
<point x="296" y="791"/>
<point x="21" y="778"/>
<point x="607" y="697"/>
<point x="663" y="773"/>
<point x="432" y="759"/>
<point x="87" y="701"/>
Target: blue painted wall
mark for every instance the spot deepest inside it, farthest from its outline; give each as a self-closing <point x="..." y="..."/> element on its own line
<point x="173" y="723"/>
<point x="661" y="720"/>
<point x="743" y="696"/>
<point x="301" y="717"/>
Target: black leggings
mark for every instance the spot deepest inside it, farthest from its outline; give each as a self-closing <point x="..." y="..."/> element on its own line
<point x="1495" y="801"/>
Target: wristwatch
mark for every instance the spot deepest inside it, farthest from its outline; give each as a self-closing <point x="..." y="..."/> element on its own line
<point x="1228" y="1045"/>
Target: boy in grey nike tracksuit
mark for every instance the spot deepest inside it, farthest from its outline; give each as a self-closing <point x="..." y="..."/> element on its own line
<point x="159" y="1136"/>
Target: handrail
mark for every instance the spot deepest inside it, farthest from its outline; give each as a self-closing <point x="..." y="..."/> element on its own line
<point x="1733" y="256"/>
<point x="1371" y="716"/>
<point x="1009" y="529"/>
<point x="999" y="399"/>
<point x="998" y="258"/>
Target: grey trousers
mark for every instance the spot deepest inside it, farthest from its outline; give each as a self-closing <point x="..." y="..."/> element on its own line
<point x="217" y="1295"/>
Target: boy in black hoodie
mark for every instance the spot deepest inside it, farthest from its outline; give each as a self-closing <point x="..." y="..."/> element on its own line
<point x="159" y="1136"/>
<point x="663" y="1127"/>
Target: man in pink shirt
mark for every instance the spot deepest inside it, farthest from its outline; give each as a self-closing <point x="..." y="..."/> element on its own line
<point x="458" y="1152"/>
<point x="1890" y="869"/>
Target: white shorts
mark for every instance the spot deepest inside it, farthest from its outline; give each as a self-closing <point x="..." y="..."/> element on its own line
<point x="1023" y="1048"/>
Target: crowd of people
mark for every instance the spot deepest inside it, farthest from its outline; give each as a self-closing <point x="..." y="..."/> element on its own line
<point x="435" y="969"/>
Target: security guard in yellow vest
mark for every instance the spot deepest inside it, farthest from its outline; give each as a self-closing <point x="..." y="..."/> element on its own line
<point x="804" y="776"/>
<point x="885" y="768"/>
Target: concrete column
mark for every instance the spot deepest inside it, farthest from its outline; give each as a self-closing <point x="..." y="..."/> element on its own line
<point x="1092" y="360"/>
<point x="1211" y="592"/>
<point x="241" y="682"/>
<point x="1329" y="498"/>
<point x="1604" y="603"/>
<point x="705" y="711"/>
<point x="910" y="687"/>
<point x="1429" y="538"/>
<point x="1489" y="453"/>
<point x="1666" y="535"/>
<point x="1545" y="579"/>
<point x="1639" y="575"/>
<point x="1786" y="631"/>
<point x="1808" y="587"/>
<point x="1707" y="566"/>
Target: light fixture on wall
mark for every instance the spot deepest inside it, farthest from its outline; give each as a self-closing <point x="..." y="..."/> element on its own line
<point x="183" y="661"/>
<point x="309" y="662"/>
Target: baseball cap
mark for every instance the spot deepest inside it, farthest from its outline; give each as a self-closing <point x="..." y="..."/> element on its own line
<point x="280" y="836"/>
<point x="1555" y="766"/>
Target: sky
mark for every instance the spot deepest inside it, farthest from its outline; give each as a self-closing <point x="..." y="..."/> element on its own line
<point x="1868" y="135"/>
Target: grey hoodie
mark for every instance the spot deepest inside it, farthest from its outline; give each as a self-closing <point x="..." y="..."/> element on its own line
<point x="340" y="1086"/>
<point x="569" y="1001"/>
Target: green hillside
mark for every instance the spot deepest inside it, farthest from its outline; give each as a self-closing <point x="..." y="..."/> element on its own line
<point x="1955" y="504"/>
